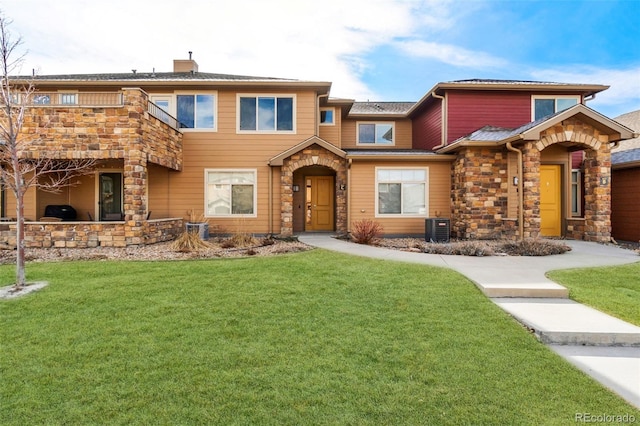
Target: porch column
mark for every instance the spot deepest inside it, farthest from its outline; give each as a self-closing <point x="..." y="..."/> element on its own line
<point x="597" y="194"/>
<point x="135" y="197"/>
<point x="531" y="190"/>
<point x="286" y="202"/>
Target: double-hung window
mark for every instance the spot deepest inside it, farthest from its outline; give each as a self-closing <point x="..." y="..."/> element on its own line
<point x="401" y="191"/>
<point x="196" y="111"/>
<point x="547" y="105"/>
<point x="230" y="193"/>
<point x="375" y="133"/>
<point x="266" y="113"/>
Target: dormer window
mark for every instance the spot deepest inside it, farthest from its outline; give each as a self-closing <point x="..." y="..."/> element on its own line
<point x="547" y="105"/>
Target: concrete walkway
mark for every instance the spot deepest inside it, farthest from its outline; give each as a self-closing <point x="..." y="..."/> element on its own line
<point x="602" y="346"/>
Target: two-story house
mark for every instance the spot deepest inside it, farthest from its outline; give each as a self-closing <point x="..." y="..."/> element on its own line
<point x="280" y="156"/>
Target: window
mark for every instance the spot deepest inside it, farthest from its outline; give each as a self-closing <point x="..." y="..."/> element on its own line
<point x="41" y="99"/>
<point x="326" y="116"/>
<point x="375" y="133"/>
<point x="401" y="191"/>
<point x="230" y="192"/>
<point x="266" y="113"/>
<point x="196" y="111"/>
<point x="68" y="98"/>
<point x="576" y="193"/>
<point x="547" y="105"/>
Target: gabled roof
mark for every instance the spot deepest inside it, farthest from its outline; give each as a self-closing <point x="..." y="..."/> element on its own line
<point x="632" y="121"/>
<point x="387" y="109"/>
<point x="491" y="135"/>
<point x="627" y="158"/>
<point x="278" y="160"/>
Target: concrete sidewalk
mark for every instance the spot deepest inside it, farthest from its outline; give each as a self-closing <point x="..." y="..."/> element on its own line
<point x="604" y="347"/>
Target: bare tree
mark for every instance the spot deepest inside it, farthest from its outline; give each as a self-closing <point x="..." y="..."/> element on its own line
<point x="22" y="166"/>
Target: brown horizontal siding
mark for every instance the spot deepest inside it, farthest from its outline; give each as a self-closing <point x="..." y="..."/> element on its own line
<point x="625" y="204"/>
<point x="363" y="194"/>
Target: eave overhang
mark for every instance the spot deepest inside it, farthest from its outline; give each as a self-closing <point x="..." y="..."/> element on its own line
<point x="278" y="160"/>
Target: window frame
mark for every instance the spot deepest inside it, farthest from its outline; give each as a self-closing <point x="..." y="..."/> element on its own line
<point x="378" y="214"/>
<point x="173" y="106"/>
<point x="230" y="215"/>
<point x="275" y="97"/>
<point x="333" y="117"/>
<point x="577" y="184"/>
<point x="376" y="123"/>
<point x="65" y="96"/>
<point x="555" y="98"/>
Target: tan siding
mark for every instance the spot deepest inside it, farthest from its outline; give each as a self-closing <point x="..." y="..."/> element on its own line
<point x="512" y="190"/>
<point x="159" y="194"/>
<point x="403" y="138"/>
<point x="363" y="194"/>
<point x="332" y="134"/>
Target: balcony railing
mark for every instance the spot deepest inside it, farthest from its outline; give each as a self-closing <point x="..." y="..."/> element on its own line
<point x="162" y="115"/>
<point x="79" y="99"/>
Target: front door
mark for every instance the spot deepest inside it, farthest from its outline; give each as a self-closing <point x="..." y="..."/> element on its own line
<point x="319" y="203"/>
<point x="110" y="196"/>
<point x="550" y="201"/>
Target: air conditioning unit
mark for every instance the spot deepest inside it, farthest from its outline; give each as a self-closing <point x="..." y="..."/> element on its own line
<point x="437" y="230"/>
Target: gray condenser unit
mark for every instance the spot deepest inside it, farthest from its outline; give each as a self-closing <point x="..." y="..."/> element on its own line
<point x="437" y="230"/>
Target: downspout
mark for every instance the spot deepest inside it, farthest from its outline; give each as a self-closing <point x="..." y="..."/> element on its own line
<point x="520" y="191"/>
<point x="349" y="196"/>
<point x="270" y="214"/>
<point x="443" y="121"/>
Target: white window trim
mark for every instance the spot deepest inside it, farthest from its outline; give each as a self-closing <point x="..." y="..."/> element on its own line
<point x="402" y="215"/>
<point x="173" y="106"/>
<point x="578" y="185"/>
<point x="232" y="216"/>
<point x="534" y="97"/>
<point x="332" y="123"/>
<point x="393" y="126"/>
<point x="267" y="95"/>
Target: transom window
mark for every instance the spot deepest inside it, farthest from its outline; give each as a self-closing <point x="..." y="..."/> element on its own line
<point x="195" y="111"/>
<point x="375" y="133"/>
<point x="547" y="105"/>
<point x="327" y="116"/>
<point x="230" y="193"/>
<point x="401" y="191"/>
<point x="266" y="113"/>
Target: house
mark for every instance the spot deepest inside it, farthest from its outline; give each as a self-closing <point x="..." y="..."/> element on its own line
<point x="625" y="192"/>
<point x="280" y="156"/>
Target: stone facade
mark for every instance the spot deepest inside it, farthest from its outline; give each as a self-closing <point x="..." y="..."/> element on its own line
<point x="479" y="187"/>
<point x="88" y="234"/>
<point x="314" y="155"/>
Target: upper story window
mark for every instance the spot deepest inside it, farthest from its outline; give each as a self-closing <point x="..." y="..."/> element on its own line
<point x="547" y="105"/>
<point x="266" y="113"/>
<point x="68" y="98"/>
<point x="196" y="111"/>
<point x="375" y="133"/>
<point x="327" y="116"/>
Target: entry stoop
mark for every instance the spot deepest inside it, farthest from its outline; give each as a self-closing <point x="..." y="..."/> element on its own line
<point x="565" y="322"/>
<point x="537" y="290"/>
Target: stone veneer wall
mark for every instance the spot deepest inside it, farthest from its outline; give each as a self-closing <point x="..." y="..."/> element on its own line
<point x="88" y="234"/>
<point x="479" y="193"/>
<point x="313" y="155"/>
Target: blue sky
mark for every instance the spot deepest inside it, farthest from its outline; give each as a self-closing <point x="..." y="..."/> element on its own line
<point x="369" y="49"/>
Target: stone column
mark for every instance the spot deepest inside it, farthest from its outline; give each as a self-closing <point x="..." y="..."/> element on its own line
<point x="597" y="194"/>
<point x="531" y="190"/>
<point x="286" y="202"/>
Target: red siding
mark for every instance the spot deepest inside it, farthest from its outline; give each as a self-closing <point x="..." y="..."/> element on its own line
<point x="470" y="110"/>
<point x="625" y="204"/>
<point x="427" y="127"/>
<point x="576" y="159"/>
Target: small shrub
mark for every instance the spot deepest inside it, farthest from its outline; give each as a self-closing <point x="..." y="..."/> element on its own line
<point x="267" y="241"/>
<point x="366" y="231"/>
<point x="188" y="242"/>
<point x="462" y="248"/>
<point x="534" y="247"/>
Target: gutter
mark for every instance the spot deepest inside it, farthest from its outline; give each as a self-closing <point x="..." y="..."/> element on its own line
<point x="443" y="120"/>
<point x="520" y="191"/>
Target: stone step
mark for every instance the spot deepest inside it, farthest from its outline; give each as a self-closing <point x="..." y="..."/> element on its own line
<point x="537" y="290"/>
<point x="565" y="322"/>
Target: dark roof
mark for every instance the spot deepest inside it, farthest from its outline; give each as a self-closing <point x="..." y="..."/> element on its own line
<point x="151" y="76"/>
<point x="628" y="156"/>
<point x="494" y="133"/>
<point x="514" y="82"/>
<point x="387" y="152"/>
<point x="373" y="108"/>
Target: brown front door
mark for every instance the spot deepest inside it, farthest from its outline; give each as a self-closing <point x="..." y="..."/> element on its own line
<point x="320" y="195"/>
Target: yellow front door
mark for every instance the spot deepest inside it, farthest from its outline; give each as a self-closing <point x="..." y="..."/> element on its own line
<point x="320" y="196"/>
<point x="550" y="204"/>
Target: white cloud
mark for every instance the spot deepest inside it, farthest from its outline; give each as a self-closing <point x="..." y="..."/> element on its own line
<point x="449" y="54"/>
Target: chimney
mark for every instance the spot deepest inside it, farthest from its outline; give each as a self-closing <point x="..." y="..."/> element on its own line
<point x="185" y="65"/>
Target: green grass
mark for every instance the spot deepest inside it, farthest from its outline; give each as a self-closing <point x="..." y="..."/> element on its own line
<point x="310" y="338"/>
<point x="614" y="290"/>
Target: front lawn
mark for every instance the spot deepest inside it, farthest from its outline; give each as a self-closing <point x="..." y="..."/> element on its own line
<point x="308" y="338"/>
<point x="614" y="290"/>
